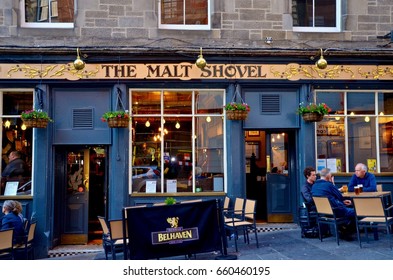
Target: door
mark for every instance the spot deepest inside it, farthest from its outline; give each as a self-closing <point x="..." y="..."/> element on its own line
<point x="281" y="176"/>
<point x="80" y="192"/>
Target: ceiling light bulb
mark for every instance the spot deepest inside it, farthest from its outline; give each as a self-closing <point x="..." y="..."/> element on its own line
<point x="381" y="114"/>
<point x="337" y="118"/>
<point x="208" y="119"/>
<point x="147" y="124"/>
<point x="23" y="127"/>
<point x="177" y="125"/>
<point x="367" y="119"/>
<point x="7" y="124"/>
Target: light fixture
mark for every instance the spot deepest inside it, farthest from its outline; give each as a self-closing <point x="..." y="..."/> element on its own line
<point x="177" y="125"/>
<point x="367" y="119"/>
<point x="268" y="40"/>
<point x="352" y="114"/>
<point x="23" y="127"/>
<point x="321" y="63"/>
<point x="79" y="64"/>
<point x="200" y="62"/>
<point x="208" y="119"/>
<point x="381" y="114"/>
<point x="147" y="124"/>
<point x="7" y="124"/>
<point x="337" y="118"/>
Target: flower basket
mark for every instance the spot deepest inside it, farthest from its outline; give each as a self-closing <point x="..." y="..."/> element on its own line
<point x="312" y="117"/>
<point x="38" y="123"/>
<point x="236" y="115"/>
<point x="118" y="122"/>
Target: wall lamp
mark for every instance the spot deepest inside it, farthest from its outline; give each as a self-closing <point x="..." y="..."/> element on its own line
<point x="200" y="62"/>
<point x="79" y="64"/>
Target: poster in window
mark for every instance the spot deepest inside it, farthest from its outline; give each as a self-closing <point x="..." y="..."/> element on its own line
<point x="151" y="186"/>
<point x="11" y="188"/>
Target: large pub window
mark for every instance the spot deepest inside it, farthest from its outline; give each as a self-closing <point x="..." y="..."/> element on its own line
<point x="48" y="13"/>
<point x="15" y="137"/>
<point x="177" y="141"/>
<point x="358" y="129"/>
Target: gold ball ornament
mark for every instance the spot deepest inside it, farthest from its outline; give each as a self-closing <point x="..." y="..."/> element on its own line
<point x="79" y="64"/>
<point x="200" y="62"/>
<point x="321" y="63"/>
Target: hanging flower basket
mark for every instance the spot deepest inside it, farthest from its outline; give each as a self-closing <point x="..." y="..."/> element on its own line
<point x="38" y="123"/>
<point x="312" y="117"/>
<point x="118" y="122"/>
<point x="237" y="115"/>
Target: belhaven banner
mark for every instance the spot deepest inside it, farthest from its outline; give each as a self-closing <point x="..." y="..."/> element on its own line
<point x="172" y="230"/>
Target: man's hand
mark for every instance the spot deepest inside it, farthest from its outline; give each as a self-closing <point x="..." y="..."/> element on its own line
<point x="347" y="202"/>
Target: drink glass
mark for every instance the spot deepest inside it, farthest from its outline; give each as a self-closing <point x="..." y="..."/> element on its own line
<point x="357" y="190"/>
<point x="345" y="188"/>
<point x="360" y="186"/>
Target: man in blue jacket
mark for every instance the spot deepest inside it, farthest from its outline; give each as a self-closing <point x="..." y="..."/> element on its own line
<point x="325" y="187"/>
<point x="362" y="177"/>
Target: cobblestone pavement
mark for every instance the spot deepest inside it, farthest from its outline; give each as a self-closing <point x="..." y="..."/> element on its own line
<point x="276" y="242"/>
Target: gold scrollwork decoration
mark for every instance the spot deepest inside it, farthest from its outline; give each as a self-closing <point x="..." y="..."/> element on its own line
<point x="52" y="71"/>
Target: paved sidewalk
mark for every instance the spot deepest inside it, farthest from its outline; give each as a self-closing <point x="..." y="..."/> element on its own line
<point x="276" y="242"/>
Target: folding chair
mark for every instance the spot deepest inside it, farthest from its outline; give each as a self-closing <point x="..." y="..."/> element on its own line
<point x="327" y="215"/>
<point x="371" y="213"/>
<point x="246" y="224"/>
<point x="6" y="246"/>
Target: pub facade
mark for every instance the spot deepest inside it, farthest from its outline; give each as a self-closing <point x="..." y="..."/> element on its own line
<point x="180" y="141"/>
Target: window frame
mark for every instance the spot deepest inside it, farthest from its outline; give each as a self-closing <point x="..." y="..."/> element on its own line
<point x="338" y="27"/>
<point x="186" y="26"/>
<point x="194" y="115"/>
<point x="60" y="25"/>
<point x="375" y="135"/>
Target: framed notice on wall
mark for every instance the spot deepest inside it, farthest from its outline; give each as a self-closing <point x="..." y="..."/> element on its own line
<point x="11" y="188"/>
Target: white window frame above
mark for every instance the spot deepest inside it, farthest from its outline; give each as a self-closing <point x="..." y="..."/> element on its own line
<point x="337" y="28"/>
<point x="62" y="25"/>
<point x="187" y="26"/>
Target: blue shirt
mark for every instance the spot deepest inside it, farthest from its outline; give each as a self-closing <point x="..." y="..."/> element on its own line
<point x="368" y="181"/>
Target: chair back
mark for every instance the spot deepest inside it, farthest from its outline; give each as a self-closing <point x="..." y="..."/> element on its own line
<point x="116" y="229"/>
<point x="323" y="205"/>
<point x="239" y="205"/>
<point x="249" y="209"/>
<point x="379" y="188"/>
<point x="6" y="236"/>
<point x="31" y="232"/>
<point x="369" y="206"/>
<point x="104" y="225"/>
<point x="226" y="203"/>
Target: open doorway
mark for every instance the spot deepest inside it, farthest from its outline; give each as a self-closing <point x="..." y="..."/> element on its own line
<point x="80" y="193"/>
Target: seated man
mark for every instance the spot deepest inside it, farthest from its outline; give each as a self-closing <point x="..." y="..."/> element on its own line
<point x="325" y="187"/>
<point x="311" y="176"/>
<point x="364" y="178"/>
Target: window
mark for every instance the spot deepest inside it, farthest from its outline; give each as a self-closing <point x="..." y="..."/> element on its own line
<point x="15" y="137"/>
<point x="358" y="129"/>
<point x="47" y="13"/>
<point x="316" y="15"/>
<point x="184" y="14"/>
<point x="177" y="141"/>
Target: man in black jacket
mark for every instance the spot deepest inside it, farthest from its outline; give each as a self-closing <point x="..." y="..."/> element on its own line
<point x="16" y="166"/>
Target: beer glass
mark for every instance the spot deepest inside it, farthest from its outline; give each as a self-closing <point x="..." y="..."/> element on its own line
<point x="360" y="186"/>
<point x="357" y="190"/>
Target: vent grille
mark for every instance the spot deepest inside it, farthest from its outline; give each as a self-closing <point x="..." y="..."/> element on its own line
<point x="82" y="118"/>
<point x="270" y="104"/>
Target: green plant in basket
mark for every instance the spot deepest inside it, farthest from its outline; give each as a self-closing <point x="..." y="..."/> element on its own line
<point x="35" y="114"/>
<point x="120" y="114"/>
<point x="170" y="201"/>
<point x="320" y="108"/>
<point x="237" y="106"/>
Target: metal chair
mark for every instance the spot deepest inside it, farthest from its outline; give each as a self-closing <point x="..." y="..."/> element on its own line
<point x="371" y="213"/>
<point x="112" y="236"/>
<point x="246" y="224"/>
<point x="327" y="215"/>
<point x="6" y="246"/>
<point x="27" y="247"/>
<point x="237" y="211"/>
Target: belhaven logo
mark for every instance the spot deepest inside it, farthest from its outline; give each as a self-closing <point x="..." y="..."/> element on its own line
<point x="174" y="234"/>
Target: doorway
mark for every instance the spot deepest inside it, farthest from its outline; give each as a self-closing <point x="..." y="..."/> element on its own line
<point x="271" y="173"/>
<point x="80" y="190"/>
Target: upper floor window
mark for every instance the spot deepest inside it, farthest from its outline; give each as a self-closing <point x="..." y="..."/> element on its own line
<point x="316" y="16"/>
<point x="47" y="13"/>
<point x="184" y="14"/>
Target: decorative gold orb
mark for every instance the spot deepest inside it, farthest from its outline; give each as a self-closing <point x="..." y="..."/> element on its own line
<point x="200" y="62"/>
<point x="79" y="64"/>
<point x="321" y="63"/>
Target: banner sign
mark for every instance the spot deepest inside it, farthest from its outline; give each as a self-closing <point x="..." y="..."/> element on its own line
<point x="188" y="71"/>
<point x="172" y="230"/>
